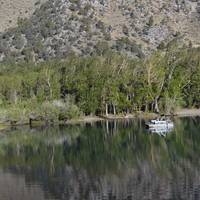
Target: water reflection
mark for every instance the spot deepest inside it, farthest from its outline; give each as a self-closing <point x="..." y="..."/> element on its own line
<point x="104" y="160"/>
<point x="160" y="131"/>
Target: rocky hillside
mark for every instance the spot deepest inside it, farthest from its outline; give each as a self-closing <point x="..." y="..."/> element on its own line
<point x="11" y="10"/>
<point x="85" y="27"/>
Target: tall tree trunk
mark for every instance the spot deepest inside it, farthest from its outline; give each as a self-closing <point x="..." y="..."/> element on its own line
<point x="106" y="109"/>
<point x="146" y="107"/>
<point x="49" y="83"/>
<point x="127" y="111"/>
<point x="156" y="107"/>
<point x="152" y="107"/>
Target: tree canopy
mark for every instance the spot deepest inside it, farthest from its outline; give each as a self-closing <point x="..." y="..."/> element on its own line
<point x="108" y="83"/>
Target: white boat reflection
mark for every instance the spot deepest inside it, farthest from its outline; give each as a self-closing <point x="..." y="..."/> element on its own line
<point x="160" y="131"/>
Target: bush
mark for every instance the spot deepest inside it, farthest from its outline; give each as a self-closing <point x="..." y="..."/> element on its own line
<point x="17" y="114"/>
<point x="48" y="112"/>
<point x="73" y="112"/>
<point x="18" y="41"/>
<point x="151" y="21"/>
<point x="84" y="11"/>
<point x="125" y="30"/>
<point x="101" y="48"/>
<point x="67" y="109"/>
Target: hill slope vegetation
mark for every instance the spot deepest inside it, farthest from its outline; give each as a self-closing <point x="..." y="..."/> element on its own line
<point x="85" y="27"/>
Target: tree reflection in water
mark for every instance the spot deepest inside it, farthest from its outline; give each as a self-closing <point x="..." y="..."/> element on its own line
<point x="103" y="160"/>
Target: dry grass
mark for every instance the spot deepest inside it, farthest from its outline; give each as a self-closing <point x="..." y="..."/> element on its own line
<point x="114" y="18"/>
<point x="10" y="10"/>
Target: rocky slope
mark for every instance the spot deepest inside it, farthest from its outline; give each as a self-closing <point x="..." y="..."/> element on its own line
<point x="11" y="10"/>
<point x="134" y="27"/>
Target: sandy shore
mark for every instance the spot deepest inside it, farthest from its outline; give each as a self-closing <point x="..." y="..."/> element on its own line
<point x="87" y="119"/>
<point x="178" y="113"/>
<point x="187" y="112"/>
<point x="91" y="119"/>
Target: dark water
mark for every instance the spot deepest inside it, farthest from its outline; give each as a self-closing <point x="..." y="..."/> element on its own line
<point x="114" y="160"/>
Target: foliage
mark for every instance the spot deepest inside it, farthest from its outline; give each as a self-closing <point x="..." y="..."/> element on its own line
<point x="108" y="83"/>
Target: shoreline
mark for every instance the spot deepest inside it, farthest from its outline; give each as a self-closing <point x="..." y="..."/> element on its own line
<point x="88" y="119"/>
<point x="143" y="115"/>
<point x="187" y="113"/>
<point x="93" y="119"/>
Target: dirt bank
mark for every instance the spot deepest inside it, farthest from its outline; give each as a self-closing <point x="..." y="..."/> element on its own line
<point x="187" y="112"/>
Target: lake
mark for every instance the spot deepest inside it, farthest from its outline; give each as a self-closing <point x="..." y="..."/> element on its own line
<point x="115" y="160"/>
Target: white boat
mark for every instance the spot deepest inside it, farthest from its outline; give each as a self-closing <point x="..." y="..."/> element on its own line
<point x="160" y="123"/>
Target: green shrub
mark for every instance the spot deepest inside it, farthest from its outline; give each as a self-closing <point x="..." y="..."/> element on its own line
<point x="73" y="112"/>
<point x="17" y="114"/>
<point x="49" y="112"/>
<point x="67" y="109"/>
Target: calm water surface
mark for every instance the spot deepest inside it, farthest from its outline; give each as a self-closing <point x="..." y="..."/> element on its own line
<point x="117" y="160"/>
